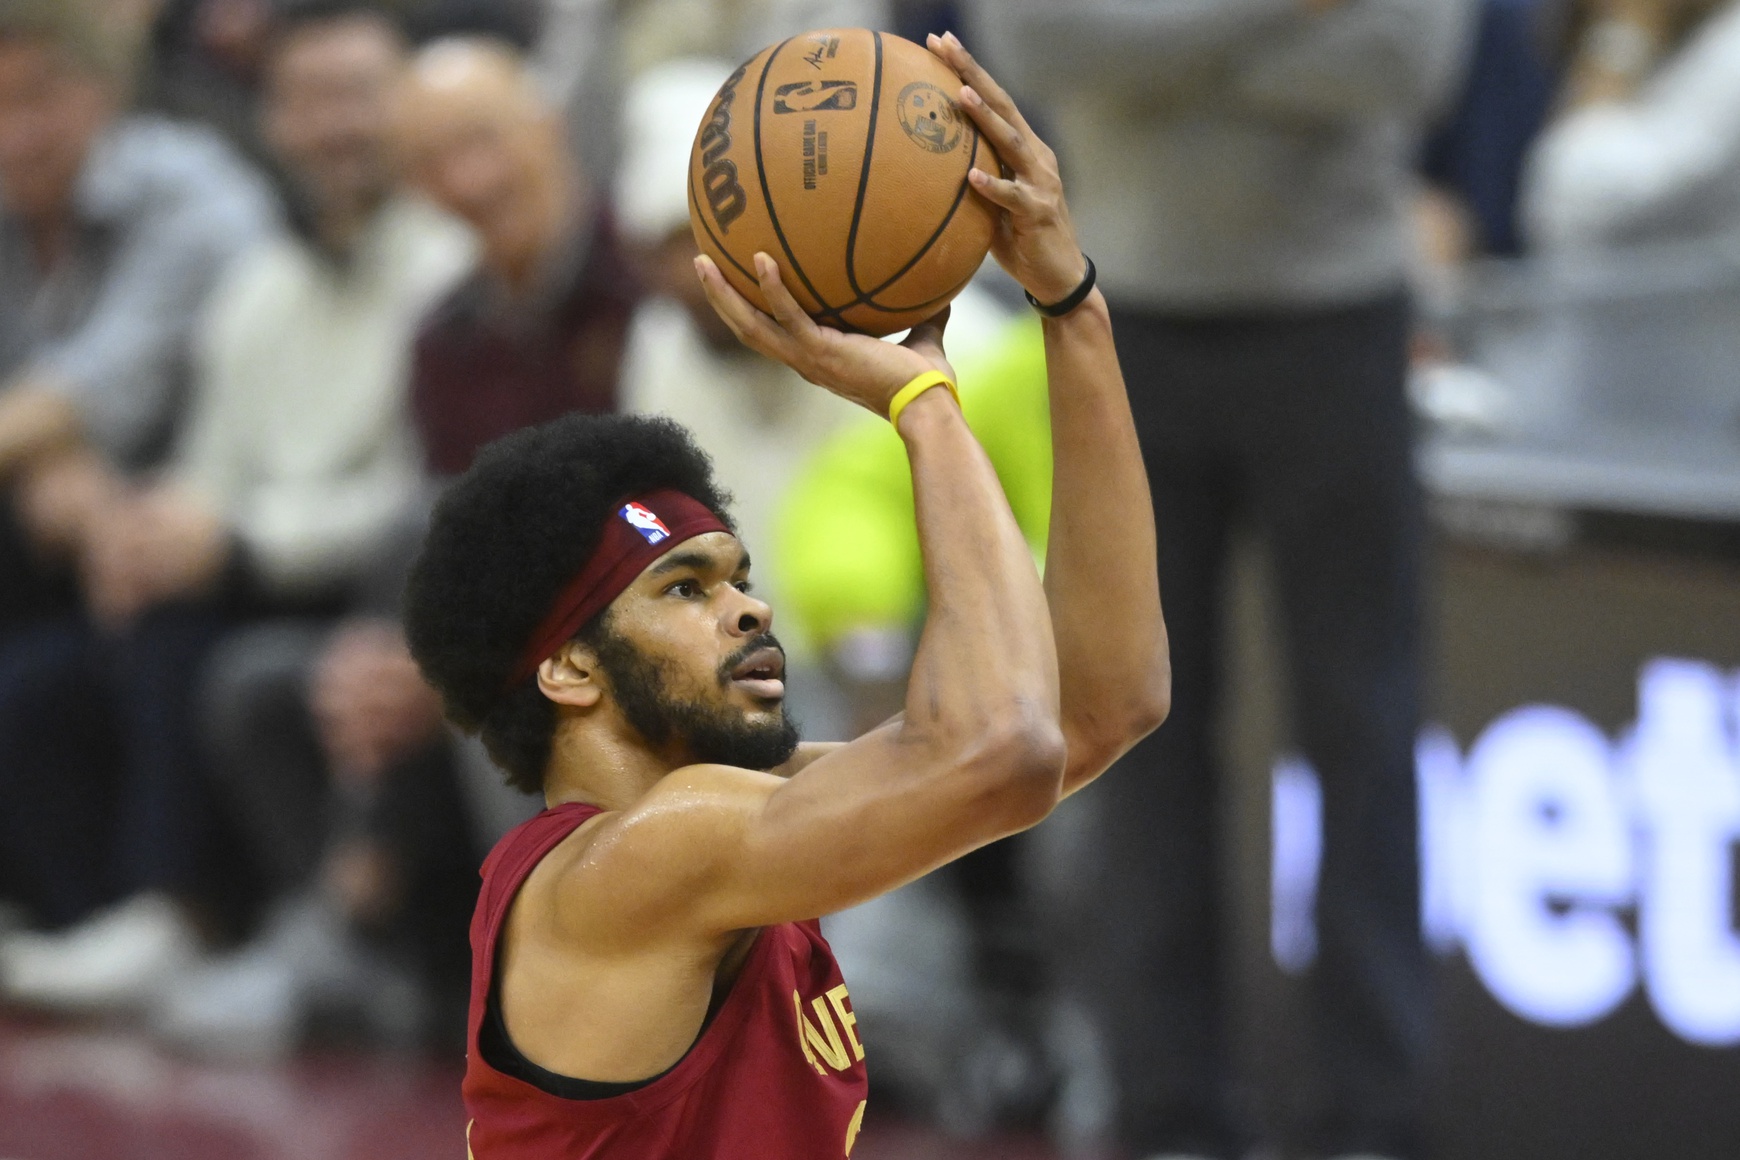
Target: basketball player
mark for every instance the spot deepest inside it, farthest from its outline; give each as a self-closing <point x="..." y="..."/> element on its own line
<point x="649" y="981"/>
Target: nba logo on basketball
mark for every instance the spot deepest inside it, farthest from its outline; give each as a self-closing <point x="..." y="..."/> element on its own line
<point x="644" y="522"/>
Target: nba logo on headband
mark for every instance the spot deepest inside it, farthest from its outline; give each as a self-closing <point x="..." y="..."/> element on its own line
<point x="644" y="522"/>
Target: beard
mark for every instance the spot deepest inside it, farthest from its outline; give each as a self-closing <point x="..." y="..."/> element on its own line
<point x="715" y="732"/>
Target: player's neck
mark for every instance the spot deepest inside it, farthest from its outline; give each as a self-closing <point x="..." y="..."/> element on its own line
<point x="598" y="759"/>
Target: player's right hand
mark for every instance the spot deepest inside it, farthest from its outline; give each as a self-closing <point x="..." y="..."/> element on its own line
<point x="1035" y="239"/>
<point x="864" y="370"/>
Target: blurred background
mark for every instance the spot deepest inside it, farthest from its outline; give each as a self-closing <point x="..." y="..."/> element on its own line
<point x="1431" y="315"/>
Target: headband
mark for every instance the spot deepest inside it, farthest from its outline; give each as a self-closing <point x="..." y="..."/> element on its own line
<point x="637" y="533"/>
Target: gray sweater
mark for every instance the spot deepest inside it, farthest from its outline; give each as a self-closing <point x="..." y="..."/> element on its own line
<point x="1227" y="155"/>
<point x="160" y="210"/>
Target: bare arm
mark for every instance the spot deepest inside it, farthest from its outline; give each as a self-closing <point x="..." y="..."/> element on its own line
<point x="1100" y="573"/>
<point x="975" y="756"/>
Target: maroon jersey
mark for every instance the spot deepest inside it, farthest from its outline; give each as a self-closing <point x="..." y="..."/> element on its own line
<point x="778" y="1074"/>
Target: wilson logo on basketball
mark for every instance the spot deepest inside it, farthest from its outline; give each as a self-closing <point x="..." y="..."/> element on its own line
<point x="816" y="97"/>
<point x="853" y="177"/>
<point x="725" y="196"/>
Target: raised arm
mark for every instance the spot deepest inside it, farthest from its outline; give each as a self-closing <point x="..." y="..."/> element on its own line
<point x="975" y="756"/>
<point x="1100" y="572"/>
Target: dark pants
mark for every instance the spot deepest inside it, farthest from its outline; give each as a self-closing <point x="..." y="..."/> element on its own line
<point x="99" y="766"/>
<point x="31" y="590"/>
<point x="57" y="760"/>
<point x="1297" y="423"/>
<point x="270" y="769"/>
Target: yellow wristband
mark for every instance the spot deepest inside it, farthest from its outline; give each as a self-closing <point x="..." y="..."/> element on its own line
<point x="905" y="395"/>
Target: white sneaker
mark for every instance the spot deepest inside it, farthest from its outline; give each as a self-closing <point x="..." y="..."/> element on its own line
<point x="257" y="1003"/>
<point x="254" y="1002"/>
<point x="245" y="1006"/>
<point x="116" y="961"/>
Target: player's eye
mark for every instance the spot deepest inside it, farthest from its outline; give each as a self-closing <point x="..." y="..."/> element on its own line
<point x="743" y="586"/>
<point x="686" y="589"/>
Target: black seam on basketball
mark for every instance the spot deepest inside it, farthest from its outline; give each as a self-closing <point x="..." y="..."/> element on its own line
<point x="868" y="298"/>
<point x="839" y="322"/>
<point x="864" y="174"/>
<point x="767" y="194"/>
<point x="701" y="216"/>
<point x="927" y="305"/>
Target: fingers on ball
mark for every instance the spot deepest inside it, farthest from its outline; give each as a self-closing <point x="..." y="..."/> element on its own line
<point x="1011" y="143"/>
<point x="1000" y="191"/>
<point x="975" y="74"/>
<point x="780" y="302"/>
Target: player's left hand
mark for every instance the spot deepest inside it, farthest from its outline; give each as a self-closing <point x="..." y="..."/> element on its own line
<point x="864" y="370"/>
<point x="1035" y="239"/>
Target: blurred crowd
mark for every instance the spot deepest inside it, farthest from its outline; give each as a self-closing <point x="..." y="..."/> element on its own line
<point x="272" y="270"/>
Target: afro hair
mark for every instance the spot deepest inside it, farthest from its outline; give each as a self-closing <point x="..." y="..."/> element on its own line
<point x="506" y="537"/>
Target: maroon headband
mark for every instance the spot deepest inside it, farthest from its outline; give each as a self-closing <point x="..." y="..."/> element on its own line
<point x="637" y="533"/>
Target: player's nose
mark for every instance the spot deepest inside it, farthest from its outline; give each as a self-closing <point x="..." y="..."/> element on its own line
<point x="751" y="617"/>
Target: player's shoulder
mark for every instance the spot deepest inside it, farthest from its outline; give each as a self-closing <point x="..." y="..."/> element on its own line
<point x="649" y="856"/>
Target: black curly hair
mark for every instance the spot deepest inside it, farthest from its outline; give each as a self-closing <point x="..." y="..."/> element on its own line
<point x="505" y="538"/>
<point x="289" y="17"/>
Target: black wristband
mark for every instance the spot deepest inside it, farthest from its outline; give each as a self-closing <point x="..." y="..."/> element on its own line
<point x="1076" y="296"/>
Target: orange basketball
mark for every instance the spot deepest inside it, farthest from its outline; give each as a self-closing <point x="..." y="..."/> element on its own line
<point x="844" y="155"/>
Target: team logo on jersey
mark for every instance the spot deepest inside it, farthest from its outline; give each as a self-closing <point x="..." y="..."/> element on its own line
<point x="642" y="520"/>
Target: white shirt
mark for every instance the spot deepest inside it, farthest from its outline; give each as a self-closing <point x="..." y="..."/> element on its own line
<point x="300" y="432"/>
<point x="1661" y="166"/>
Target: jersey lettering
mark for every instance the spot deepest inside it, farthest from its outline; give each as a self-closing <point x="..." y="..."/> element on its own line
<point x="855" y="1126"/>
<point x="822" y="1041"/>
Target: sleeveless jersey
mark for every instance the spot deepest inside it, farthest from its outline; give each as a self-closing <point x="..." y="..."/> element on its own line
<point x="778" y="1074"/>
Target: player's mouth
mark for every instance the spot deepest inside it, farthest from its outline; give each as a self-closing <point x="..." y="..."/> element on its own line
<point x="761" y="674"/>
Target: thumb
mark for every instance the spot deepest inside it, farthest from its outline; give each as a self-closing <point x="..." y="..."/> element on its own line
<point x="927" y="337"/>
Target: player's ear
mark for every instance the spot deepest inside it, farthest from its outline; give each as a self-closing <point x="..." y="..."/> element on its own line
<point x="570" y="677"/>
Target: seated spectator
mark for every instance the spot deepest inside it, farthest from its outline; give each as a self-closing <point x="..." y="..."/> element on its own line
<point x="297" y="461"/>
<point x="539" y="330"/>
<point x="327" y="736"/>
<point x="1648" y="145"/>
<point x="112" y="231"/>
<point x="754" y="418"/>
<point x="300" y="463"/>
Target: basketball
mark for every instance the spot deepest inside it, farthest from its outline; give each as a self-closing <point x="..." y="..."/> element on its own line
<point x="844" y="156"/>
